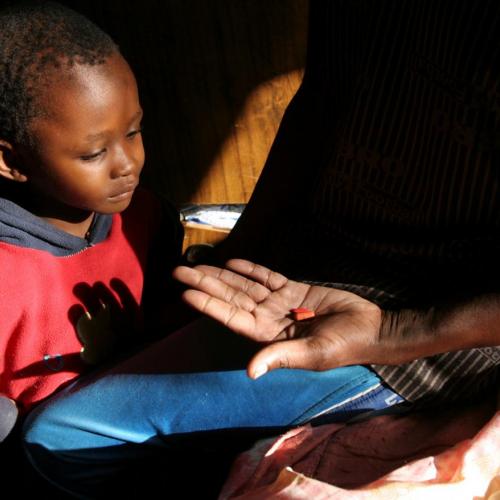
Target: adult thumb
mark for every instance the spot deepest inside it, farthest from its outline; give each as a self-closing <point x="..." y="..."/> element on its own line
<point x="305" y="353"/>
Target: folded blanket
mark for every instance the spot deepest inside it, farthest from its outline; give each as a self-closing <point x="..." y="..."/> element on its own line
<point x="425" y="455"/>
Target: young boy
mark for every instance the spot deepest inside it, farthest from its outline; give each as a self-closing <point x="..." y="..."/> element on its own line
<point x="85" y="260"/>
<point x="80" y="244"/>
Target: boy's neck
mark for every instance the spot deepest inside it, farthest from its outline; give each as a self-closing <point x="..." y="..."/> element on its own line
<point x="70" y="220"/>
<point x="79" y="228"/>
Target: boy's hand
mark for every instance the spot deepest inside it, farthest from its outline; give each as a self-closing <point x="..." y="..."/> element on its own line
<point x="255" y="302"/>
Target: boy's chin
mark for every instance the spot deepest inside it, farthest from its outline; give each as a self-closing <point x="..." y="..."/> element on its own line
<point x="116" y="204"/>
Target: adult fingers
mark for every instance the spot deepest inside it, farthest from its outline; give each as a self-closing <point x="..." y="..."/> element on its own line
<point x="214" y="287"/>
<point x="235" y="318"/>
<point x="266" y="277"/>
<point x="253" y="289"/>
<point x="308" y="353"/>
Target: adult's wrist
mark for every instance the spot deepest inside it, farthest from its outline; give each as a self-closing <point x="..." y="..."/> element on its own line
<point x="408" y="334"/>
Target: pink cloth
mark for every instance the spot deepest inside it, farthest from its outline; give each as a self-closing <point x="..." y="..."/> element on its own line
<point x="455" y="453"/>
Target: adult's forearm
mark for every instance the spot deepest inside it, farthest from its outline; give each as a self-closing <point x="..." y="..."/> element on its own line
<point x="411" y="334"/>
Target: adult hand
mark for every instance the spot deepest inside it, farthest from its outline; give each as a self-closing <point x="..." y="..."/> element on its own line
<point x="255" y="302"/>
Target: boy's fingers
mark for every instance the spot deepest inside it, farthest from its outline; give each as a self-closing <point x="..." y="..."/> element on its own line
<point x="238" y="320"/>
<point x="305" y="353"/>
<point x="8" y="416"/>
<point x="88" y="297"/>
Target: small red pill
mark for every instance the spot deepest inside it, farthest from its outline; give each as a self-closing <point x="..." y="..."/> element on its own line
<point x="301" y="313"/>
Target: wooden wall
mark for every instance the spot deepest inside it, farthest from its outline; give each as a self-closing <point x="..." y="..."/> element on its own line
<point x="215" y="77"/>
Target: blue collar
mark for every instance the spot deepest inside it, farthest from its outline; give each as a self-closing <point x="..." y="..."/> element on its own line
<point x="21" y="228"/>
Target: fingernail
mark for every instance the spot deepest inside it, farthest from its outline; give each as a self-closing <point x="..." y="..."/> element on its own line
<point x="259" y="371"/>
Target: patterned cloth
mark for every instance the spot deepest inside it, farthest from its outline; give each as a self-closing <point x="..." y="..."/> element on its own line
<point x="451" y="454"/>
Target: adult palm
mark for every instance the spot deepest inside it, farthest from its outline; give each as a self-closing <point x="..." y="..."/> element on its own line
<point x="255" y="302"/>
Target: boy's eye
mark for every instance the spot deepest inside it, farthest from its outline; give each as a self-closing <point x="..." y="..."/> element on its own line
<point x="93" y="156"/>
<point x="133" y="133"/>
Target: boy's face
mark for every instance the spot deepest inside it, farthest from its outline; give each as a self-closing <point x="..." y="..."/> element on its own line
<point x="89" y="151"/>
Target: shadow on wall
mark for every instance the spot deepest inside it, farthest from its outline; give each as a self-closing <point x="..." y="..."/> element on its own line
<point x="197" y="63"/>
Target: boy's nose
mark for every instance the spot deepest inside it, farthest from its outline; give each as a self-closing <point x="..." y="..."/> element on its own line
<point x="123" y="164"/>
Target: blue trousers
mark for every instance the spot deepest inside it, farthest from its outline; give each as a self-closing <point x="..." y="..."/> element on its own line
<point x="148" y="403"/>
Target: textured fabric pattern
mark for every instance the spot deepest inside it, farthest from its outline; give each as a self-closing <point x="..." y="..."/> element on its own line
<point x="450" y="454"/>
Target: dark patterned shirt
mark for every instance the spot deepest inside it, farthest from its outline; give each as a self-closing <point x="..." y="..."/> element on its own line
<point x="385" y="172"/>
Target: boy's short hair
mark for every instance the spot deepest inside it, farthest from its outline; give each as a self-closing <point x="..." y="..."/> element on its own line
<point x="34" y="37"/>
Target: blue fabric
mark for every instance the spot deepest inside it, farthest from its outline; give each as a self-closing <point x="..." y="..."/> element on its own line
<point x="21" y="228"/>
<point x="93" y="427"/>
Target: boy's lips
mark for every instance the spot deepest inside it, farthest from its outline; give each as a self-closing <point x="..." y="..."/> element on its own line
<point x="124" y="192"/>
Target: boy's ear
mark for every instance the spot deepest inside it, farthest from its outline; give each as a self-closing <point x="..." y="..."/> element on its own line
<point x="8" y="165"/>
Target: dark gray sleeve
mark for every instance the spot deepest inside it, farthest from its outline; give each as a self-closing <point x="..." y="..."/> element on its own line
<point x="8" y="416"/>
